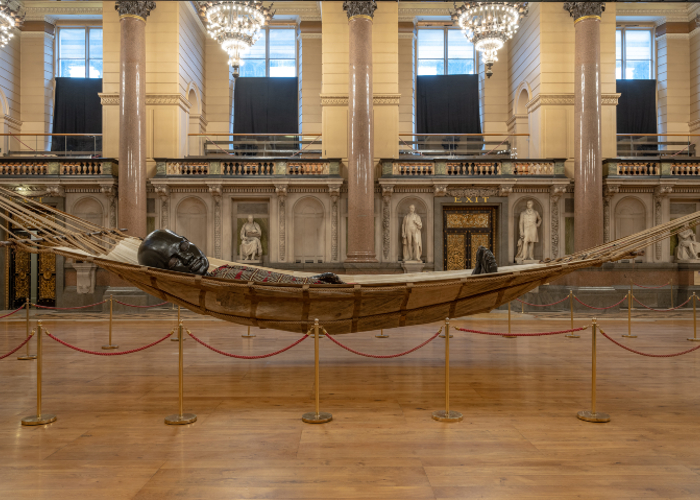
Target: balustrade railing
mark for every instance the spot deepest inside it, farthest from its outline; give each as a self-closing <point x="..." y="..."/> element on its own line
<point x="413" y="169"/>
<point x="51" y="145"/>
<point x="293" y="167"/>
<point x="247" y="168"/>
<point x="255" y="145"/>
<point x="451" y="145"/>
<point x="58" y="167"/>
<point x="474" y="168"/>
<point x="655" y="145"/>
<point x="657" y="167"/>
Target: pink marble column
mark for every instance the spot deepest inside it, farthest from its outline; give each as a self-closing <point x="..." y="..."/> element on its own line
<point x="132" y="115"/>
<point x="361" y="140"/>
<point x="588" y="167"/>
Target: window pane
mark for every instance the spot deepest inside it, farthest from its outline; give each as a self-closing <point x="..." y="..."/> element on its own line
<point x="636" y="70"/>
<point x="253" y="67"/>
<point x="283" y="67"/>
<point x="71" y="43"/>
<point x="618" y="69"/>
<point x="431" y="44"/>
<point x="95" y="68"/>
<point x="431" y="66"/>
<point x="618" y="44"/>
<point x="458" y="46"/>
<point x="460" y="66"/>
<point x="638" y="44"/>
<point x="95" y="44"/>
<point x="257" y="50"/>
<point x="73" y="68"/>
<point x="282" y="44"/>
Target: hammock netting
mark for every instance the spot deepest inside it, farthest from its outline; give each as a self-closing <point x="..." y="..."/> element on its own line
<point x="365" y="303"/>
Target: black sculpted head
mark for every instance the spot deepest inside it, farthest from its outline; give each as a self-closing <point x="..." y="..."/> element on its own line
<point x="485" y="262"/>
<point x="164" y="249"/>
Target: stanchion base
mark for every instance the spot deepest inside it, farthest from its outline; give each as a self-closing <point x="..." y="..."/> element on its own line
<point x="108" y="347"/>
<point x="598" y="417"/>
<point x="630" y="336"/>
<point x="316" y="418"/>
<point x="184" y="419"/>
<point x="33" y="356"/>
<point x="248" y="336"/>
<point x="44" y="419"/>
<point x="509" y="336"/>
<point x="443" y="416"/>
<point x="693" y="339"/>
<point x="572" y="336"/>
<point x="443" y="336"/>
<point x="383" y="336"/>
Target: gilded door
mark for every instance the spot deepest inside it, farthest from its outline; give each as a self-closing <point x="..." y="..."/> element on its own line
<point x="465" y="229"/>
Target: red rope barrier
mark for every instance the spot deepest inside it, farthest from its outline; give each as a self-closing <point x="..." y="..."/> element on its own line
<point x="69" y="308"/>
<point x="651" y="287"/>
<point x="17" y="348"/>
<point x="95" y="353"/>
<point x="139" y="307"/>
<point x="237" y="356"/>
<point x="502" y="334"/>
<point x="600" y="308"/>
<point x="389" y="356"/>
<point x="13" y="312"/>
<point x="543" y="305"/>
<point x="662" y="310"/>
<point x="644" y="353"/>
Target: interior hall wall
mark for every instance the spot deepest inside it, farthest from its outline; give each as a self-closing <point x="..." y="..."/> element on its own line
<point x="673" y="83"/>
<point x="407" y="78"/>
<point x="334" y="90"/>
<point x="192" y="40"/>
<point x="310" y="77"/>
<point x="493" y="96"/>
<point x="37" y="71"/>
<point x="608" y="80"/>
<point x="10" y="79"/>
<point x="385" y="69"/>
<point x="694" y="90"/>
<point x="219" y="88"/>
<point x="111" y="37"/>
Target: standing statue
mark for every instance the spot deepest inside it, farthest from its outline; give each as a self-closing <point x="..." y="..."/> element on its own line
<point x="411" y="236"/>
<point x="530" y="222"/>
<point x="251" y="248"/>
<point x="688" y="248"/>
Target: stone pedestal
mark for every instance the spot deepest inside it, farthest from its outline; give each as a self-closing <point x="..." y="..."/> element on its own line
<point x="412" y="267"/>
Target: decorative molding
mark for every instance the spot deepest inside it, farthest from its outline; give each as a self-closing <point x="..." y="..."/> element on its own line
<point x="473" y="192"/>
<point x="608" y="193"/>
<point x="131" y="8"/>
<point x="407" y="36"/>
<point x="694" y="125"/>
<point x="386" y="99"/>
<point x="300" y="9"/>
<point x="12" y="121"/>
<point x="40" y="11"/>
<point x="505" y="190"/>
<point x="163" y="193"/>
<point x="660" y="192"/>
<point x="566" y="100"/>
<point x="555" y="194"/>
<point x="387" y="191"/>
<point x="577" y="10"/>
<point x="343" y="100"/>
<point x="408" y="12"/>
<point x="311" y="36"/>
<point x="609" y="99"/>
<point x="673" y="36"/>
<point x="363" y="9"/>
<point x="440" y="190"/>
<point x="281" y="191"/>
<point x="334" y="99"/>
<point x="151" y="100"/>
<point x="216" y="191"/>
<point x="111" y="192"/>
<point x="334" y="192"/>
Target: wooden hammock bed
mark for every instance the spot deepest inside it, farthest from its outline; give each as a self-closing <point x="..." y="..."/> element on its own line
<point x="368" y="302"/>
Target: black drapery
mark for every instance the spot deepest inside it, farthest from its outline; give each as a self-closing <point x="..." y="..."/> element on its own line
<point x="266" y="106"/>
<point x="636" y="108"/>
<point x="77" y="110"/>
<point x="447" y="104"/>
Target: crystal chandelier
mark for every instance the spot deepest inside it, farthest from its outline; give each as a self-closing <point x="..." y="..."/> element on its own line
<point x="235" y="25"/>
<point x="489" y="25"/>
<point x="11" y="16"/>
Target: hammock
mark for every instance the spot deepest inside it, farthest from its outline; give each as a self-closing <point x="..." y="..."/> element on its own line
<point x="366" y="303"/>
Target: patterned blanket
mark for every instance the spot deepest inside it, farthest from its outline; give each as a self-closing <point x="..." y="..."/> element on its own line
<point x="245" y="273"/>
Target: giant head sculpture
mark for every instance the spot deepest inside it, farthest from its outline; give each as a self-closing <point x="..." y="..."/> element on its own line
<point x="164" y="249"/>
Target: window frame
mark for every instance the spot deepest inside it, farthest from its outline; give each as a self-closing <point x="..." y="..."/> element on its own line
<point x="267" y="29"/>
<point x="623" y="28"/>
<point x="86" y="28"/>
<point x="446" y="59"/>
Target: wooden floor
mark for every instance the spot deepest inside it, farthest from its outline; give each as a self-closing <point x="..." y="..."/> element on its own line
<point x="520" y="438"/>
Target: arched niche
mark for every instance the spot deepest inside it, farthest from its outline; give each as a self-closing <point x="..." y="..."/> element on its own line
<point x="519" y="207"/>
<point x="522" y="100"/>
<point x="402" y="209"/>
<point x="630" y="217"/>
<point x="90" y="209"/>
<point x="309" y="242"/>
<point x="191" y="221"/>
<point x="194" y="100"/>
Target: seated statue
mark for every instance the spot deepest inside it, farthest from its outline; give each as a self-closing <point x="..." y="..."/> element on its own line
<point x="164" y="249"/>
<point x="485" y="262"/>
<point x="688" y="248"/>
<point x="251" y="248"/>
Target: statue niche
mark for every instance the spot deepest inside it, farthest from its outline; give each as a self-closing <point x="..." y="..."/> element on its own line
<point x="250" y="249"/>
<point x="412" y="231"/>
<point x="527" y="225"/>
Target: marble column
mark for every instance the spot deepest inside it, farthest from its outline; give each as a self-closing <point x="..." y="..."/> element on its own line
<point x="132" y="115"/>
<point x="360" y="130"/>
<point x="588" y="167"/>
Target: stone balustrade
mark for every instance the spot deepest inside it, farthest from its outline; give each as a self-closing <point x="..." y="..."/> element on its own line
<point x="685" y="168"/>
<point x="413" y="169"/>
<point x="534" y="168"/>
<point x="277" y="167"/>
<point x="658" y="167"/>
<point x="92" y="167"/>
<point x="473" y="167"/>
<point x="247" y="168"/>
<point x="306" y="168"/>
<point x="60" y="167"/>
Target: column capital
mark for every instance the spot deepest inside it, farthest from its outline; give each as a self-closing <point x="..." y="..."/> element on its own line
<point x="584" y="10"/>
<point x="134" y="8"/>
<point x="360" y="9"/>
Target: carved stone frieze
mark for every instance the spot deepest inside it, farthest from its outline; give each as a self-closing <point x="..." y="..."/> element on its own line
<point x="387" y="191"/>
<point x="505" y="190"/>
<point x="440" y="190"/>
<point x="578" y="10"/>
<point x="608" y="194"/>
<point x="111" y="193"/>
<point x="163" y="193"/>
<point x="555" y="194"/>
<point x="472" y="192"/>
<point x="141" y="9"/>
<point x="151" y="100"/>
<point x="334" y="192"/>
<point x="360" y="8"/>
<point x="56" y="191"/>
<point x="659" y="194"/>
<point x="282" y="228"/>
<point x="216" y="191"/>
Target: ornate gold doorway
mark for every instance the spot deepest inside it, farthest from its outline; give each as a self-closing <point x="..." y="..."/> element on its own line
<point x="465" y="230"/>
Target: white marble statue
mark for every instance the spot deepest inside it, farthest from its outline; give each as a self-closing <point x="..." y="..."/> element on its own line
<point x="530" y="222"/>
<point x="411" y="236"/>
<point x="688" y="248"/>
<point x="251" y="248"/>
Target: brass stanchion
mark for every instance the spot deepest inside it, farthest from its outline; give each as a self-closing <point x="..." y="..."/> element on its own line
<point x="110" y="345"/>
<point x="522" y="307"/>
<point x="446" y="415"/>
<point x="39" y="418"/>
<point x="317" y="417"/>
<point x="248" y="336"/>
<point x="509" y="336"/>
<point x="593" y="416"/>
<point x="572" y="335"/>
<point x="630" y="298"/>
<point x="180" y="418"/>
<point x="27" y="356"/>
<point x="382" y="335"/>
<point x="695" y="322"/>
<point x="175" y="339"/>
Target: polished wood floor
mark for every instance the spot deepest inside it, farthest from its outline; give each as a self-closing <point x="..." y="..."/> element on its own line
<point x="520" y="438"/>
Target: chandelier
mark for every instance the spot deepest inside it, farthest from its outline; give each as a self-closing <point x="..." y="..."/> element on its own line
<point x="235" y="25"/>
<point x="489" y="25"/>
<point x="11" y="16"/>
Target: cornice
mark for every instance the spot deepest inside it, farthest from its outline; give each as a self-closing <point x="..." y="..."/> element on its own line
<point x="13" y="121"/>
<point x="305" y="11"/>
<point x="377" y="99"/>
<point x="334" y="99"/>
<point x="407" y="36"/>
<point x="673" y="36"/>
<point x="151" y="100"/>
<point x="694" y="125"/>
<point x="386" y="99"/>
<point x="39" y="11"/>
<point x="610" y="99"/>
<point x="408" y="13"/>
<point x="566" y="100"/>
<point x="311" y="36"/>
